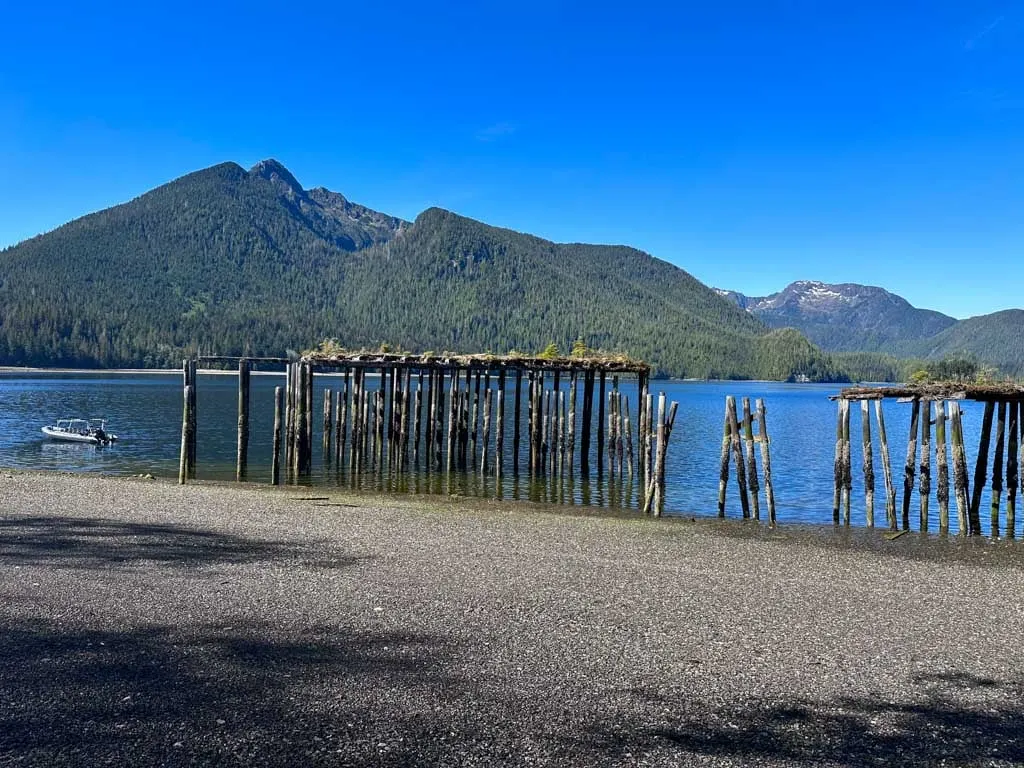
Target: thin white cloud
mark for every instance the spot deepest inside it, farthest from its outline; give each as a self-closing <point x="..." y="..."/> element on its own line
<point x="972" y="42"/>
<point x="495" y="132"/>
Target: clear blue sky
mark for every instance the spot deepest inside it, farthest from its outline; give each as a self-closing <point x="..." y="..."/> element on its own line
<point x="751" y="143"/>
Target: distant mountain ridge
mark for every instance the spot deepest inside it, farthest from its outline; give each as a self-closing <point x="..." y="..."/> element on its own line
<point x="249" y="262"/>
<point x="848" y="317"/>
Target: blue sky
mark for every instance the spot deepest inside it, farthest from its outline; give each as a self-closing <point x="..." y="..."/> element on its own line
<point x="750" y="143"/>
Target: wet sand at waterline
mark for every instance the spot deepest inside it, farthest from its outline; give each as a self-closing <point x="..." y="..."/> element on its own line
<point x="151" y="624"/>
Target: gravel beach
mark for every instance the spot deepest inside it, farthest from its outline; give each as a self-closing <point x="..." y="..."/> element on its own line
<point x="150" y="624"/>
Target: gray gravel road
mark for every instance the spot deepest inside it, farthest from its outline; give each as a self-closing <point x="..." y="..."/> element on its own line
<point x="148" y="624"/>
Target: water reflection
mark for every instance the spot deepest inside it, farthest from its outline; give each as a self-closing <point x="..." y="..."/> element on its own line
<point x="145" y="411"/>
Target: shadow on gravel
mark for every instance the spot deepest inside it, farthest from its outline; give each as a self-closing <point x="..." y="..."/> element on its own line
<point x="241" y="694"/>
<point x="957" y="719"/>
<point x="75" y="542"/>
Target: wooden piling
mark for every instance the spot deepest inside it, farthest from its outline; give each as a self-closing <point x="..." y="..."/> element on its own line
<point x="242" y="455"/>
<point x="723" y="470"/>
<point x="925" y="480"/>
<point x="571" y="436"/>
<point x="291" y="371"/>
<point x="307" y="465"/>
<point x="474" y="420"/>
<point x="499" y="438"/>
<point x="997" y="467"/>
<point x="191" y="380"/>
<point x="611" y="432"/>
<point x="748" y="441"/>
<point x="328" y="425"/>
<point x="485" y="448"/>
<point x="960" y="489"/>
<point x="941" y="467"/>
<point x="275" y="459"/>
<point x="588" y="410"/>
<point x="868" y="465"/>
<point x="186" y="421"/>
<point x="648" y="406"/>
<point x="516" y="418"/>
<point x="453" y="402"/>
<point x="837" y="464"/>
<point x="847" y="467"/>
<point x="981" y="468"/>
<point x="737" y="452"/>
<point x="600" y="425"/>
<point x="890" y="487"/>
<point x="619" y="439"/>
<point x="1012" y="471"/>
<point x="659" y="460"/>
<point x="766" y="459"/>
<point x="910" y="465"/>
<point x="341" y="438"/>
<point x="417" y="420"/>
<point x="628" y="431"/>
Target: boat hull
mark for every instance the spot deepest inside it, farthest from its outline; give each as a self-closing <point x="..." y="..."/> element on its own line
<point x="72" y="437"/>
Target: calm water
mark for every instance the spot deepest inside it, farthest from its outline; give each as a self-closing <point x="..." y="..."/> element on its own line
<point x="145" y="411"/>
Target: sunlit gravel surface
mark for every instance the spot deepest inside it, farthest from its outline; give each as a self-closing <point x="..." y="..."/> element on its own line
<point x="145" y="623"/>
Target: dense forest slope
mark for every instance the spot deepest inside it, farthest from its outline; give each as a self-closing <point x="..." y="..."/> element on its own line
<point x="231" y="261"/>
<point x="996" y="339"/>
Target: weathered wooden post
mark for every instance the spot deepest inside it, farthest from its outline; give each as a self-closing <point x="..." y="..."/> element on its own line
<point x="837" y="464"/>
<point x="484" y="450"/>
<point x="723" y="470"/>
<point x="997" y="468"/>
<point x="571" y="437"/>
<point x="648" y="446"/>
<point x="960" y="489"/>
<point x="890" y="488"/>
<point x="275" y="460"/>
<point x="1012" y="475"/>
<point x="847" y="464"/>
<point x="191" y="380"/>
<point x="600" y="425"/>
<point x="588" y="410"/>
<point x="418" y="429"/>
<point x="186" y="422"/>
<point x="242" y="458"/>
<point x="925" y="487"/>
<point x="909" y="466"/>
<point x="516" y="418"/>
<point x="307" y="465"/>
<point x="868" y="465"/>
<point x="627" y="427"/>
<point x="748" y="441"/>
<point x="942" y="466"/>
<point x="453" y="419"/>
<point x="659" y="458"/>
<point x="766" y="459"/>
<point x="737" y="452"/>
<point x="289" y="419"/>
<point x="242" y="462"/>
<point x="328" y="426"/>
<point x="981" y="468"/>
<point x="499" y="441"/>
<point x="341" y="427"/>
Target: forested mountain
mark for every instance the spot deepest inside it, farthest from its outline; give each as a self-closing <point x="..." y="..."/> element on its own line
<point x="231" y="261"/>
<point x="996" y="339"/>
<point x="846" y="317"/>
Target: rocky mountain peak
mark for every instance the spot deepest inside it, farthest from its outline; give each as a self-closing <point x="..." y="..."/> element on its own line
<point x="274" y="170"/>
